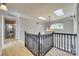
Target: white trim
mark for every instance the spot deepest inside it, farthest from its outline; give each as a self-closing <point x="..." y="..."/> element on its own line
<point x="18" y="27"/>
<point x="2" y="30"/>
<point x="16" y="35"/>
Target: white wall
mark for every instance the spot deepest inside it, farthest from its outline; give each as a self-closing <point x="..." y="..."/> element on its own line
<point x="77" y="40"/>
<point x="25" y="24"/>
<point x="68" y="26"/>
<point x="0" y="31"/>
<point x="30" y="26"/>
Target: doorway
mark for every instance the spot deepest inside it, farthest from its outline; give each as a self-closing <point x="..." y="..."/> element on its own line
<point x="9" y="30"/>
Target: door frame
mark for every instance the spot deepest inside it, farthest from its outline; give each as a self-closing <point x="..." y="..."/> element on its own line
<point x="17" y="26"/>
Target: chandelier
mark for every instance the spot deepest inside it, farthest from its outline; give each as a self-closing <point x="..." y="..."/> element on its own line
<point x="49" y="28"/>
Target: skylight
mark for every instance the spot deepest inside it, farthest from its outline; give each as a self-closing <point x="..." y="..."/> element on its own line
<point x="59" y="12"/>
<point x="41" y="18"/>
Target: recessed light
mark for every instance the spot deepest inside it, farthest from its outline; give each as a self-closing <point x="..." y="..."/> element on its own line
<point x="42" y="18"/>
<point x="59" y="12"/>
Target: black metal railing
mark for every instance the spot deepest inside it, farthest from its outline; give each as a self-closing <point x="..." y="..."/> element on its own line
<point x="32" y="43"/>
<point x="39" y="44"/>
<point x="46" y="43"/>
<point x="65" y="42"/>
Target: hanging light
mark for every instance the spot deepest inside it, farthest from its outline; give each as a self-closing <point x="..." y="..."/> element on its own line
<point x="3" y="7"/>
<point x="49" y="29"/>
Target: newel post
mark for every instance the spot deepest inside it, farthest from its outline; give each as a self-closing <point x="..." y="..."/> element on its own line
<point x="39" y="44"/>
<point x="25" y="37"/>
<point x="52" y="38"/>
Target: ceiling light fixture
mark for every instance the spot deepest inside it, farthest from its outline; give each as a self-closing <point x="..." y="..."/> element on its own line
<point x="59" y="12"/>
<point x="42" y="18"/>
<point x="49" y="29"/>
<point x="3" y="7"/>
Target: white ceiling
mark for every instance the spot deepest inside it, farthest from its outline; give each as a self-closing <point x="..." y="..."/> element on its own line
<point x="41" y="9"/>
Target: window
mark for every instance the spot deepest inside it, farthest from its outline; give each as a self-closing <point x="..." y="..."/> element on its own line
<point x="57" y="26"/>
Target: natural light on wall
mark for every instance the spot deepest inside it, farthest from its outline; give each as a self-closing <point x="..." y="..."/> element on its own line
<point x="59" y="12"/>
<point x="57" y="26"/>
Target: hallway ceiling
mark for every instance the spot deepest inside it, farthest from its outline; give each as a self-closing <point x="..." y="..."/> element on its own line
<point x="42" y="9"/>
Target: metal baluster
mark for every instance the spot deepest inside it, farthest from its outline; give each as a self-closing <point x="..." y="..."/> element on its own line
<point x="74" y="46"/>
<point x="39" y="45"/>
<point x="55" y="40"/>
<point x="59" y="40"/>
<point x="67" y="43"/>
<point x="25" y="38"/>
<point x="52" y="39"/>
<point x="70" y="43"/>
<point x="28" y="42"/>
<point x="64" y="42"/>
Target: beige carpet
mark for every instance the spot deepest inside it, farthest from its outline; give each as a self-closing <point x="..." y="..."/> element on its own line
<point x="16" y="49"/>
<point x="57" y="52"/>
